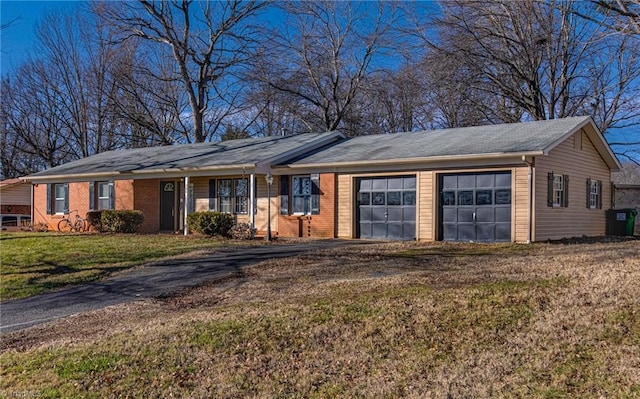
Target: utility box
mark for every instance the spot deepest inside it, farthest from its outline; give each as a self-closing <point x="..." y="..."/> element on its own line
<point x="620" y="222"/>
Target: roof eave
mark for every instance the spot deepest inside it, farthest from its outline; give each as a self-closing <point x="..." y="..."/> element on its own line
<point x="134" y="175"/>
<point x="408" y="161"/>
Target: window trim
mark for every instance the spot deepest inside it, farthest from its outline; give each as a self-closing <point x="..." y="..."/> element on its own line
<point x="51" y="198"/>
<point x="235" y="200"/>
<point x="287" y="195"/>
<point x="594" y="194"/>
<point x="557" y="196"/>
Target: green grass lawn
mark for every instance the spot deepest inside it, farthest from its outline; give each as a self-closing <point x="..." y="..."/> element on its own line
<point x="394" y="320"/>
<point x="33" y="263"/>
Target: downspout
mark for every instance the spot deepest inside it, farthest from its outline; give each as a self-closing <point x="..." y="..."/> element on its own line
<point x="252" y="200"/>
<point x="186" y="205"/>
<point x="33" y="208"/>
<point x="529" y="199"/>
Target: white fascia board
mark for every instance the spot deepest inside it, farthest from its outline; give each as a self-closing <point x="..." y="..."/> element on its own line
<point x="432" y="163"/>
<point x="146" y="174"/>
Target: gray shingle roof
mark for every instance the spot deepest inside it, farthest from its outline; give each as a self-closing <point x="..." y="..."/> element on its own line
<point x="492" y="139"/>
<point x="190" y="156"/>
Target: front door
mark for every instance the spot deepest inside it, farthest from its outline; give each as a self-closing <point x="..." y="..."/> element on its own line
<point x="167" y="205"/>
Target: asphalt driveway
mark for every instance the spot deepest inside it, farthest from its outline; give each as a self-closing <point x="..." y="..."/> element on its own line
<point x="149" y="281"/>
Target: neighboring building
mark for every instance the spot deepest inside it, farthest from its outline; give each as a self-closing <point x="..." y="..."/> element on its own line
<point x="15" y="197"/>
<point x="514" y="182"/>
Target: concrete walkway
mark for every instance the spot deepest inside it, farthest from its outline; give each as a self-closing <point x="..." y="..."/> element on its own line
<point x="153" y="280"/>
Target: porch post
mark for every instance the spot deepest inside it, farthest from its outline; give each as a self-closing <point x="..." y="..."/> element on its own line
<point x="252" y="200"/>
<point x="186" y="205"/>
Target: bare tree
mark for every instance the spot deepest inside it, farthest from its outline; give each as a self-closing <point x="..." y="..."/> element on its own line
<point x="322" y="57"/>
<point x="540" y="58"/>
<point x="206" y="40"/>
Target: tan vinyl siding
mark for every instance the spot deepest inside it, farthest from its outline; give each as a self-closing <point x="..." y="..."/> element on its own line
<point x="345" y="206"/>
<point x="19" y="194"/>
<point x="426" y="195"/>
<point x="520" y="225"/>
<point x="579" y="164"/>
<point x="201" y="193"/>
<point x="262" y="205"/>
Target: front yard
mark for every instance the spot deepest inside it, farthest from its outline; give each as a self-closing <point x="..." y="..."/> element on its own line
<point x="33" y="263"/>
<point x="417" y="320"/>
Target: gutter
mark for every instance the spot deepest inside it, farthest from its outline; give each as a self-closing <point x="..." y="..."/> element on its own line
<point x="406" y="161"/>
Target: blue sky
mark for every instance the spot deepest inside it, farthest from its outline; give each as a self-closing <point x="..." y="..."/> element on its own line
<point x="18" y="40"/>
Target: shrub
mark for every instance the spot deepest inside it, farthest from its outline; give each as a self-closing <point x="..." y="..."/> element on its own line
<point x="121" y="221"/>
<point x="210" y="223"/>
<point x="40" y="227"/>
<point x="243" y="231"/>
<point x="94" y="219"/>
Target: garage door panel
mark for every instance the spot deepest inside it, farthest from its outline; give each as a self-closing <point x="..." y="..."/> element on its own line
<point x="503" y="215"/>
<point x="484" y="232"/>
<point x="409" y="214"/>
<point x="465" y="215"/>
<point x="394" y="230"/>
<point x="395" y="183"/>
<point x="409" y="183"/>
<point x="484" y="215"/>
<point x="450" y="215"/>
<point x="394" y="214"/>
<point x="379" y="230"/>
<point x="378" y="214"/>
<point x="379" y="184"/>
<point x="409" y="230"/>
<point x="485" y="181"/>
<point x="503" y="180"/>
<point x="466" y="232"/>
<point x="466" y="181"/>
<point x="450" y="232"/>
<point x="503" y="232"/>
<point x="449" y="182"/>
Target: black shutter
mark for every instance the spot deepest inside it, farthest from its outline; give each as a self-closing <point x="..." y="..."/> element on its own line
<point x="284" y="195"/>
<point x="315" y="194"/>
<point x="92" y="196"/>
<point x="599" y="194"/>
<point x="212" y="195"/>
<point x="66" y="198"/>
<point x="550" y="189"/>
<point x="565" y="190"/>
<point x="49" y="210"/>
<point x="112" y="195"/>
<point x="588" y="193"/>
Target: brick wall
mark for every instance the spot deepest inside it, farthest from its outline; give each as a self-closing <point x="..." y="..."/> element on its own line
<point x="16" y="209"/>
<point x="146" y="198"/>
<point x="319" y="226"/>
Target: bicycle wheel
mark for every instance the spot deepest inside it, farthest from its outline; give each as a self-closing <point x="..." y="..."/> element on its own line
<point x="80" y="224"/>
<point x="64" y="225"/>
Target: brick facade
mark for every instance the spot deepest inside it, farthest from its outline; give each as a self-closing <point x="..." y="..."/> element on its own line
<point x="16" y="209"/>
<point x="322" y="225"/>
<point x="146" y="198"/>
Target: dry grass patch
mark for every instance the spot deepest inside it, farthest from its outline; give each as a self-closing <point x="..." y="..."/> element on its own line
<point x="383" y="321"/>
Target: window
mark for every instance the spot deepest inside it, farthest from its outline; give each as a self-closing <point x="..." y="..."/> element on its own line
<point x="594" y="194"/>
<point x="241" y="195"/>
<point x="101" y="195"/>
<point x="57" y="198"/>
<point x="224" y="195"/>
<point x="558" y="186"/>
<point x="304" y="196"/>
<point x="232" y="195"/>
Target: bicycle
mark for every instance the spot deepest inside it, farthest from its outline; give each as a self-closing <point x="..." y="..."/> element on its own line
<point x="67" y="225"/>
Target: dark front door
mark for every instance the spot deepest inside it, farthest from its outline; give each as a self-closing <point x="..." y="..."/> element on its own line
<point x="167" y="205"/>
<point x="475" y="207"/>
<point x="386" y="207"/>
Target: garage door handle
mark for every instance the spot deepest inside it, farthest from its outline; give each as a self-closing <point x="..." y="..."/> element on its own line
<point x="474" y="216"/>
<point x="386" y="214"/>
